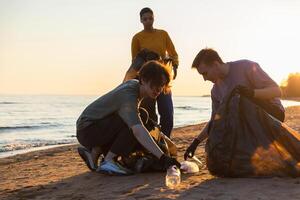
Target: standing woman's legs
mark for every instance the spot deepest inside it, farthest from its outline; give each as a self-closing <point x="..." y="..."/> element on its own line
<point x="166" y="112"/>
<point x="149" y="105"/>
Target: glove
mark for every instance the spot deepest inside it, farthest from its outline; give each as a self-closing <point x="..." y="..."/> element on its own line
<point x="245" y="91"/>
<point x="167" y="161"/>
<point x="191" y="149"/>
<point x="175" y="71"/>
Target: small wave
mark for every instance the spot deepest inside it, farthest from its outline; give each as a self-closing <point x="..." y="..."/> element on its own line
<point x="8" y="102"/>
<point x="28" y="145"/>
<point x="72" y="136"/>
<point x="15" y="128"/>
<point x="4" y="128"/>
<point x="186" y="108"/>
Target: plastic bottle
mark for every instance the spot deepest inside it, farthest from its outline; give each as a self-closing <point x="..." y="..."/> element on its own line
<point x="189" y="167"/>
<point x="173" y="177"/>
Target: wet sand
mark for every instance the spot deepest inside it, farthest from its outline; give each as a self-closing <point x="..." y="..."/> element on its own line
<point x="59" y="173"/>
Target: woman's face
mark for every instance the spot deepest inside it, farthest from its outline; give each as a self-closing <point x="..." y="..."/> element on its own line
<point x="147" y="20"/>
<point x="152" y="91"/>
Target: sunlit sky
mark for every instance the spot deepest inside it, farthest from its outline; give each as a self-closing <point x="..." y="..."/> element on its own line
<point x="83" y="46"/>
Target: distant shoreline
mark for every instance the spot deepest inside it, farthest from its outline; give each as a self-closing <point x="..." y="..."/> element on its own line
<point x="291" y="98"/>
<point x="205" y="95"/>
<point x="8" y="154"/>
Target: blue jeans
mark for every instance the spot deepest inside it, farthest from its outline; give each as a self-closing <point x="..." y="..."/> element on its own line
<point x="166" y="112"/>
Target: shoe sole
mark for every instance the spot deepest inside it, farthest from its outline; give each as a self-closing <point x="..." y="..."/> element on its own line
<point x="87" y="158"/>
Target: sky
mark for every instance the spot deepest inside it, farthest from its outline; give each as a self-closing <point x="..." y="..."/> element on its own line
<point x="82" y="47"/>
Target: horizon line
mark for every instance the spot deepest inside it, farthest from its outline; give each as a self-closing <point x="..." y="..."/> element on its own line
<point x="205" y="95"/>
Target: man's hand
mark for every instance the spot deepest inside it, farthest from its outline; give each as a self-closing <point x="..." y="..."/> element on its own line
<point x="167" y="161"/>
<point x="245" y="91"/>
<point x="191" y="149"/>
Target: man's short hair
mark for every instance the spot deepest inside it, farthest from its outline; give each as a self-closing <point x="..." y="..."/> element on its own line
<point x="156" y="73"/>
<point x="206" y="56"/>
<point x="145" y="10"/>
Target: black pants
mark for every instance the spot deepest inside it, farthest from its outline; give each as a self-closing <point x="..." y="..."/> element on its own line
<point x="111" y="134"/>
<point x="149" y="105"/>
<point x="165" y="110"/>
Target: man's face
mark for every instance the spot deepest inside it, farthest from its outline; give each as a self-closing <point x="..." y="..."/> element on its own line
<point x="147" y="20"/>
<point x="208" y="72"/>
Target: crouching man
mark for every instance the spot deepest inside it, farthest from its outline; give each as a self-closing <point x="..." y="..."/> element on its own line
<point x="245" y="76"/>
<point x="111" y="124"/>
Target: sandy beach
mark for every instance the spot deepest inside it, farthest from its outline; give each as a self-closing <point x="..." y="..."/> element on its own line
<point x="59" y="173"/>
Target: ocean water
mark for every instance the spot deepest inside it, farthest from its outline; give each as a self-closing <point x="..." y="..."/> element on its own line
<point x="34" y="122"/>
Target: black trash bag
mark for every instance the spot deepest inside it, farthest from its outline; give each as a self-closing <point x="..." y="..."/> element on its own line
<point x="245" y="141"/>
<point x="143" y="161"/>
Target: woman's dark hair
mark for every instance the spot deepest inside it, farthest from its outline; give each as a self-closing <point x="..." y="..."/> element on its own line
<point x="156" y="73"/>
<point x="145" y="10"/>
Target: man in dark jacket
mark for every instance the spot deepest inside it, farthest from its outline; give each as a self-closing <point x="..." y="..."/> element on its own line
<point x="244" y="76"/>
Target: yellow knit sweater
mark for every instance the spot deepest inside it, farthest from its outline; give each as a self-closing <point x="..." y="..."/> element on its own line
<point x="158" y="41"/>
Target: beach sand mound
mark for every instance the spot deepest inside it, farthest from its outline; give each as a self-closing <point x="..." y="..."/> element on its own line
<point x="59" y="173"/>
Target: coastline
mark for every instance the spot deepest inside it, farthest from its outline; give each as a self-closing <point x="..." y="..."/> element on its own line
<point x="59" y="173"/>
<point x="34" y="139"/>
<point x="25" y="151"/>
<point x="291" y="98"/>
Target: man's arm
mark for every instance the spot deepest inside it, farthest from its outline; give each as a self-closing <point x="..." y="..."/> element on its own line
<point x="201" y="137"/>
<point x="144" y="138"/>
<point x="203" y="134"/>
<point x="259" y="94"/>
<point x="264" y="86"/>
<point x="267" y="93"/>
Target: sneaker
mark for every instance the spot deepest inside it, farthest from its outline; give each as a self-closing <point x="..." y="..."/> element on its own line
<point x="129" y="171"/>
<point x="86" y="156"/>
<point x="113" y="168"/>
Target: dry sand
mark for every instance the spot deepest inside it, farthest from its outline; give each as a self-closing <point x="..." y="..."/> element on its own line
<point x="59" y="173"/>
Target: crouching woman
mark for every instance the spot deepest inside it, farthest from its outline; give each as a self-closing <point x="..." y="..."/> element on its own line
<point x="111" y="125"/>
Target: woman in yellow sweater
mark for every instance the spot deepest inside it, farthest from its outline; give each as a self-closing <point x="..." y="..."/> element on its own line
<point x="160" y="42"/>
